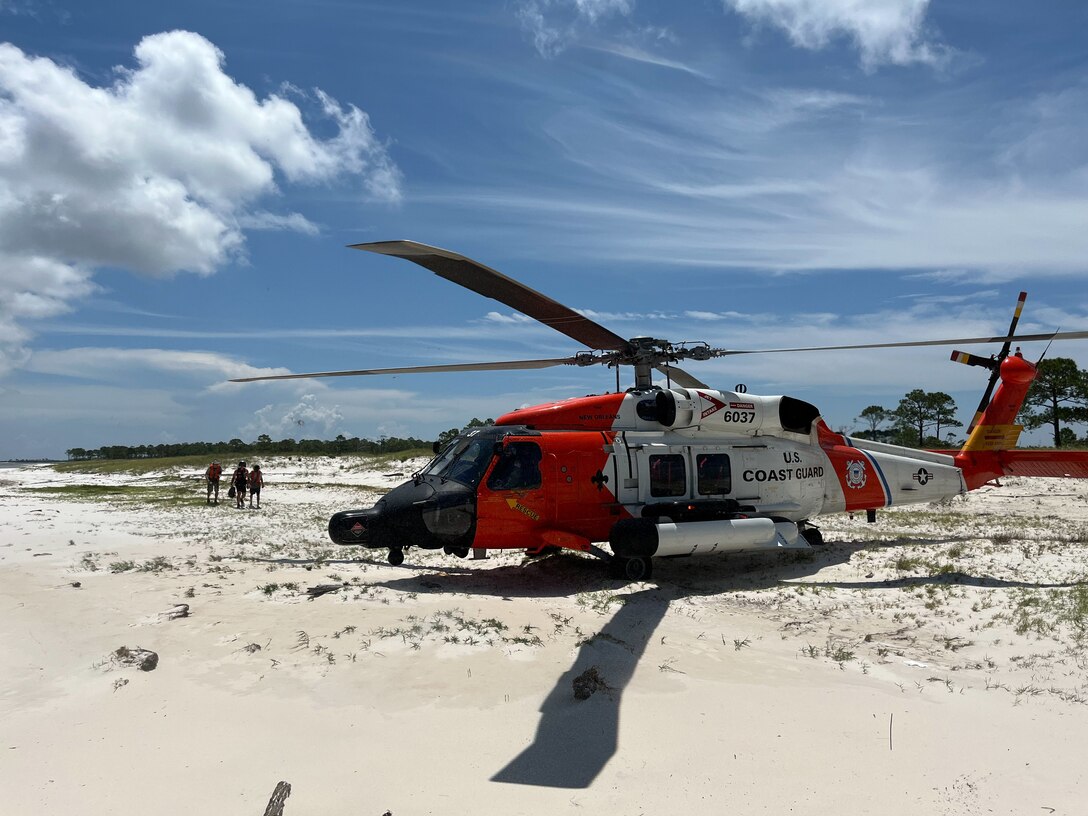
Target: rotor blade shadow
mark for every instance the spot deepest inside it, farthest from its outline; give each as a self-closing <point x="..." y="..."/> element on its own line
<point x="961" y="578"/>
<point x="576" y="739"/>
<point x="374" y="562"/>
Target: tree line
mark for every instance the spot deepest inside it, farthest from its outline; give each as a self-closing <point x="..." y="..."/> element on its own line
<point x="263" y="445"/>
<point x="1057" y="398"/>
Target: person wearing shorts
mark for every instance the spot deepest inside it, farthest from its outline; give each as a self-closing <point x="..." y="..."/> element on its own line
<point x="239" y="481"/>
<point x="256" y="482"/>
<point x="212" y="474"/>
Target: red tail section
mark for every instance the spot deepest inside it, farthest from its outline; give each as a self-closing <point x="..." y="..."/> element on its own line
<point x="1057" y="463"/>
<point x="988" y="452"/>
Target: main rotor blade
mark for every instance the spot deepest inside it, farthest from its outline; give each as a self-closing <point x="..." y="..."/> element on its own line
<point x="505" y="365"/>
<point x="681" y="377"/>
<point x="1071" y="335"/>
<point x="486" y="281"/>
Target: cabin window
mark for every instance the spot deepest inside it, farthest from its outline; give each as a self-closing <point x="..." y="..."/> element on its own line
<point x="667" y="476"/>
<point x="712" y="473"/>
<point x="518" y="468"/>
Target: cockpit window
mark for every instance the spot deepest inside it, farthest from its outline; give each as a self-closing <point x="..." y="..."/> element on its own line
<point x="518" y="468"/>
<point x="464" y="460"/>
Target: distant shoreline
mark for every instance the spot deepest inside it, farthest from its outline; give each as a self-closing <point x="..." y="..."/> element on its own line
<point x="14" y="463"/>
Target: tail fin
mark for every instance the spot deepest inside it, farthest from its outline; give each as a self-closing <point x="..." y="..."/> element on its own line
<point x="992" y="363"/>
<point x="995" y="428"/>
<point x="988" y="453"/>
<point x="993" y="431"/>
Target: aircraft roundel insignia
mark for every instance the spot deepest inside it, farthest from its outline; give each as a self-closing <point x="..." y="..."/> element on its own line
<point x="855" y="474"/>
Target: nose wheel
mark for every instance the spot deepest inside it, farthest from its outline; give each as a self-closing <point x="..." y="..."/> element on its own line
<point x="396" y="556"/>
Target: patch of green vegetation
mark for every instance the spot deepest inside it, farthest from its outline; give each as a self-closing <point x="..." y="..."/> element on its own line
<point x="353" y="461"/>
<point x="838" y="652"/>
<point x="943" y="518"/>
<point x="140" y="466"/>
<point x="156" y="564"/>
<point x="1078" y="535"/>
<point x="906" y="563"/>
<point x="268" y="589"/>
<point x="1045" y="611"/>
<point x="599" y="602"/>
<point x="168" y="495"/>
<point x="397" y="458"/>
<point x="955" y="551"/>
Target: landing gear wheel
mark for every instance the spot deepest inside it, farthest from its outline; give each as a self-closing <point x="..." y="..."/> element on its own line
<point x="396" y="557"/>
<point x="813" y="536"/>
<point x="632" y="569"/>
<point x="460" y="552"/>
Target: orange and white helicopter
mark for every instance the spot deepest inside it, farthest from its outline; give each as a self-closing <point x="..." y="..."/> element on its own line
<point x="667" y="472"/>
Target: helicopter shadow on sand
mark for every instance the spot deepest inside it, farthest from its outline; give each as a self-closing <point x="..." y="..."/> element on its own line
<point x="574" y="738"/>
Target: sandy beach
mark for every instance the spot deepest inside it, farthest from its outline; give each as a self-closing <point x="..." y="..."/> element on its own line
<point x="931" y="663"/>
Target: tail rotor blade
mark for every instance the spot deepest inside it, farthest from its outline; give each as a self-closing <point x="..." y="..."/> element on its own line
<point x="995" y="363"/>
<point x="1012" y="327"/>
<point x="973" y="359"/>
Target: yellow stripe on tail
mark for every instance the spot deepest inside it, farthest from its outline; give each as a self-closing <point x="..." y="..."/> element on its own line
<point x="993" y="437"/>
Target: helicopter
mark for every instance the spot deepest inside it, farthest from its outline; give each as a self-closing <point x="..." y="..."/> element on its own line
<point x="667" y="472"/>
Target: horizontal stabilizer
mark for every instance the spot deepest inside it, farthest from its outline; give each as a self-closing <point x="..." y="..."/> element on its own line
<point x="1055" y="463"/>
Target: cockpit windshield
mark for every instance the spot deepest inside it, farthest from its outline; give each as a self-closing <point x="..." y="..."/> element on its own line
<point x="464" y="460"/>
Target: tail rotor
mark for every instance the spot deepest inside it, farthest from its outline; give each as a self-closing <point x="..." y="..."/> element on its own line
<point x="993" y="363"/>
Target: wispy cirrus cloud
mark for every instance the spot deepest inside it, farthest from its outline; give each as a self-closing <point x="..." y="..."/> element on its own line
<point x="796" y="179"/>
<point x="884" y="31"/>
<point x="554" y="24"/>
<point x="119" y="364"/>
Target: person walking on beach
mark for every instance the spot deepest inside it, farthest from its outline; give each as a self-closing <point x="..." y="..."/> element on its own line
<point x="256" y="482"/>
<point x="212" y="474"/>
<point x="238" y="482"/>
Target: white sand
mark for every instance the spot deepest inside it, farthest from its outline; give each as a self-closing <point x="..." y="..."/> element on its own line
<point x="883" y="675"/>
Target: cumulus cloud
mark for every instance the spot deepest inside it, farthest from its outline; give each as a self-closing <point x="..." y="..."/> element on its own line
<point x="308" y="418"/>
<point x="884" y="31"/>
<point x="157" y="173"/>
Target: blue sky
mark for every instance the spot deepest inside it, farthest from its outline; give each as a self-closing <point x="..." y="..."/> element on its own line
<point x="178" y="183"/>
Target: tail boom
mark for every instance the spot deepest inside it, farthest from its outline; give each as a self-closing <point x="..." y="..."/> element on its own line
<point x="981" y="467"/>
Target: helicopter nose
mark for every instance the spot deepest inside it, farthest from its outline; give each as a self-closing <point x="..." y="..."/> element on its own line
<point x="357" y="527"/>
<point x="415" y="514"/>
